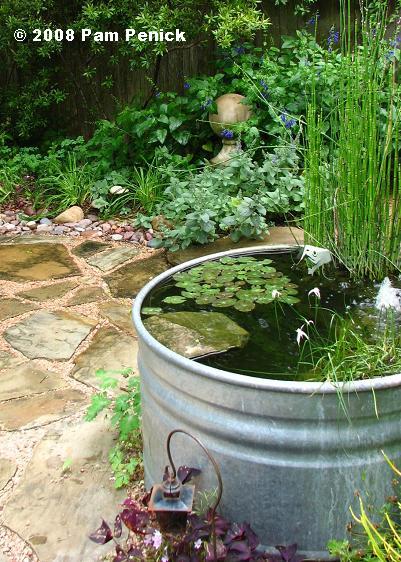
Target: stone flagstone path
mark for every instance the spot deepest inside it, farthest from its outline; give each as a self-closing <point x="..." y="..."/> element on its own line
<point x="64" y="313"/>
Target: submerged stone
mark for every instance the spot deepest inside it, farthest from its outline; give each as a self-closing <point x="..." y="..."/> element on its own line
<point x="193" y="334"/>
<point x="128" y="280"/>
<point x="35" y="262"/>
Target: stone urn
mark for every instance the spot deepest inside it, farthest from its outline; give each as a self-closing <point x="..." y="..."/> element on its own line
<point x="230" y="110"/>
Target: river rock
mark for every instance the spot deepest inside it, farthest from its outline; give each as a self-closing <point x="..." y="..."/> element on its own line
<point x="193" y="334"/>
<point x="73" y="214"/>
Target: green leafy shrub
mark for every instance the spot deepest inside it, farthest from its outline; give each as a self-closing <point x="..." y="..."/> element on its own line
<point x="236" y="199"/>
<point x="125" y="456"/>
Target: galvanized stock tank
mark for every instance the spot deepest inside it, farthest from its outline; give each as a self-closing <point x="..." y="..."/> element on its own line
<point x="290" y="459"/>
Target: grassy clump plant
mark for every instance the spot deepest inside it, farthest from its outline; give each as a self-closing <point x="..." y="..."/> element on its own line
<point x="352" y="168"/>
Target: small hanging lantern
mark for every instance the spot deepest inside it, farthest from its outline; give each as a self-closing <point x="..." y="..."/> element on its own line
<point x="172" y="501"/>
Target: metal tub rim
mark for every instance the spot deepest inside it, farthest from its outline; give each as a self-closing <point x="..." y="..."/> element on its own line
<point x="272" y="385"/>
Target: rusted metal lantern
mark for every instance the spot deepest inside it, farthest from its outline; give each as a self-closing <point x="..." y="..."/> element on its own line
<point x="172" y="501"/>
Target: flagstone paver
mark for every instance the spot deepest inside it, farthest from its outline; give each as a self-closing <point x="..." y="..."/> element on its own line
<point x="41" y="409"/>
<point x="9" y="308"/>
<point x="8" y="468"/>
<point x="87" y="294"/>
<point x="56" y="511"/>
<point x="49" y="335"/>
<point x="119" y="315"/>
<point x="89" y="247"/>
<point x="128" y="280"/>
<point x="35" y="262"/>
<point x="7" y="360"/>
<point x="109" y="350"/>
<point x="54" y="291"/>
<point x="112" y="258"/>
<point x="27" y="379"/>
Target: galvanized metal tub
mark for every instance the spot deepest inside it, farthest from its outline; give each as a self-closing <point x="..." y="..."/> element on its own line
<point x="291" y="461"/>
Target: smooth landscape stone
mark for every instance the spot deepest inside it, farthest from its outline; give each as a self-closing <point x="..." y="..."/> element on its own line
<point x="9" y="308"/>
<point x="7" y="360"/>
<point x="35" y="262"/>
<point x="88" y="248"/>
<point x="56" y="512"/>
<point x="119" y="315"/>
<point x="278" y="235"/>
<point x="112" y="258"/>
<point x="109" y="350"/>
<point x="87" y="294"/>
<point x="26" y="380"/>
<point x="128" y="280"/>
<point x="7" y="470"/>
<point x="73" y="214"/>
<point x="48" y="292"/>
<point x="49" y="335"/>
<point x="40" y="409"/>
<point x="193" y="334"/>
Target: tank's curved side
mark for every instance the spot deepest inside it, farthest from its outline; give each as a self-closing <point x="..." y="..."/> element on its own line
<point x="290" y="458"/>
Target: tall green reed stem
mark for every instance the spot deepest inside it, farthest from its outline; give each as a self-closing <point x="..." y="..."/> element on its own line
<point x="353" y="175"/>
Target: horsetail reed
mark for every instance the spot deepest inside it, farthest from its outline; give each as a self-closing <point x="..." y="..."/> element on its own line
<point x="353" y="173"/>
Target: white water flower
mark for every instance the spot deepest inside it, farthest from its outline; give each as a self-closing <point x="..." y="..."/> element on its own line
<point x="197" y="544"/>
<point x="276" y="294"/>
<point x="301" y="334"/>
<point x="315" y="291"/>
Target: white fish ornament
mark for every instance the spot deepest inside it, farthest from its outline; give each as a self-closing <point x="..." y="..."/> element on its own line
<point x="315" y="256"/>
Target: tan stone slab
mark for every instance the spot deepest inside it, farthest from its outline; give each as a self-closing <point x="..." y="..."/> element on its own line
<point x="56" y="512"/>
<point x="278" y="235"/>
<point x="7" y="360"/>
<point x="9" y="308"/>
<point x="87" y="294"/>
<point x="35" y="262"/>
<point x="48" y="292"/>
<point x="38" y="410"/>
<point x="49" y="335"/>
<point x="7" y="470"/>
<point x="114" y="257"/>
<point x="109" y="350"/>
<point x="89" y="247"/>
<point x="128" y="280"/>
<point x="27" y="379"/>
<point x="119" y="315"/>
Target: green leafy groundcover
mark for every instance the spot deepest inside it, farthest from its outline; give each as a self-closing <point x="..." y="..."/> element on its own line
<point x="239" y="282"/>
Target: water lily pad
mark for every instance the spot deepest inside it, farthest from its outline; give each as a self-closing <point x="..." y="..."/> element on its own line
<point x="151" y="310"/>
<point x="234" y="281"/>
<point x="174" y="300"/>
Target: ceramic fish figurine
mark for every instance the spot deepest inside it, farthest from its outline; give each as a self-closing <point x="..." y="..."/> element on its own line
<point x="388" y="296"/>
<point x="315" y="256"/>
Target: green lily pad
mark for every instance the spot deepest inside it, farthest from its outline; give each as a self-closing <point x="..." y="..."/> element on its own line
<point x="174" y="300"/>
<point x="151" y="310"/>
